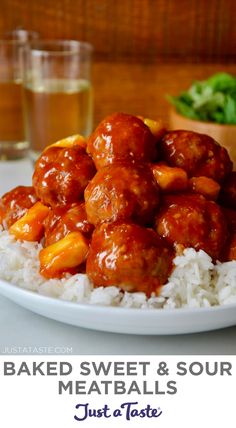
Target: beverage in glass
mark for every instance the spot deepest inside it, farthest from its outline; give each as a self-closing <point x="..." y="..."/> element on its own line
<point x="12" y="137"/>
<point x="57" y="92"/>
<point x="12" y="141"/>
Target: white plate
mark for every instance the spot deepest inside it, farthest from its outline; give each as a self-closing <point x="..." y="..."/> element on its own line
<point x="123" y="320"/>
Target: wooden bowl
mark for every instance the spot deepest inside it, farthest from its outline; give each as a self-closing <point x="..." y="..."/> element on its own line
<point x="225" y="135"/>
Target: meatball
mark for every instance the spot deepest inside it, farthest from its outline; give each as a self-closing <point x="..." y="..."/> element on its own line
<point x="62" y="221"/>
<point x="122" y="191"/>
<point x="230" y="216"/>
<point x="129" y="256"/>
<point x="230" y="249"/>
<point x="228" y="191"/>
<point x="15" y="204"/>
<point x="121" y="137"/>
<point x="61" y="175"/>
<point x="193" y="221"/>
<point x="231" y="253"/>
<point x="197" y="154"/>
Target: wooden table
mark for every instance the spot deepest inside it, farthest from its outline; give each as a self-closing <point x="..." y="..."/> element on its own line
<point x="141" y="89"/>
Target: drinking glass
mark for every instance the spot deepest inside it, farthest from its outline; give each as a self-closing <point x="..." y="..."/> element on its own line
<point x="57" y="92"/>
<point x="12" y="141"/>
<point x="21" y="35"/>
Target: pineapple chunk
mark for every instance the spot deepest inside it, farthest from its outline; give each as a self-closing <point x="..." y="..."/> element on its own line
<point x="170" y="179"/>
<point x="205" y="186"/>
<point x="156" y="127"/>
<point x="30" y="226"/>
<point x="69" y="142"/>
<point x="63" y="255"/>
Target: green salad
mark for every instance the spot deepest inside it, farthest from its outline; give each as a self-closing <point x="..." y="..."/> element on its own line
<point x="211" y="100"/>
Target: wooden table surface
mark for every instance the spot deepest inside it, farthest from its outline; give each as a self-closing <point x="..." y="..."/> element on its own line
<point x="141" y="89"/>
<point x="143" y="49"/>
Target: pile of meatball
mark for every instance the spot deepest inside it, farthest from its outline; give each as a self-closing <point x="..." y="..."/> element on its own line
<point x="137" y="194"/>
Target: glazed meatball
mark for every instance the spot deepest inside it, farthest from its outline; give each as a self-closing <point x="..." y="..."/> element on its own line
<point x="61" y="175"/>
<point x="121" y="137"/>
<point x="230" y="249"/>
<point x="62" y="221"/>
<point x="228" y="191"/>
<point x="122" y="191"/>
<point x="230" y="216"/>
<point x="193" y="221"/>
<point x="129" y="256"/>
<point x="231" y="253"/>
<point x="15" y="204"/>
<point x="197" y="154"/>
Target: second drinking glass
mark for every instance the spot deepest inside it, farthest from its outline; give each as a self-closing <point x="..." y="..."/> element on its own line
<point x="57" y="92"/>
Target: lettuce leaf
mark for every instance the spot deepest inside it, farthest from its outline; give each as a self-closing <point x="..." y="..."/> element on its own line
<point x="211" y="100"/>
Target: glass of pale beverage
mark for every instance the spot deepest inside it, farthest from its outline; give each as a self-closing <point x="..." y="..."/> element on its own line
<point x="57" y="92"/>
<point x="12" y="141"/>
<point x="12" y="137"/>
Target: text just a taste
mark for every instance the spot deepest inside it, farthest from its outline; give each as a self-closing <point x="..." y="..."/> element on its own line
<point x="127" y="410"/>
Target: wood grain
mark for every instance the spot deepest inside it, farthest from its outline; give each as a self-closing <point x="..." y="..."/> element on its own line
<point x="133" y="30"/>
<point x="141" y="89"/>
<point x="144" y="49"/>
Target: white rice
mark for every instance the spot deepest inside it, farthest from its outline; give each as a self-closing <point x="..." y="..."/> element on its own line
<point x="195" y="281"/>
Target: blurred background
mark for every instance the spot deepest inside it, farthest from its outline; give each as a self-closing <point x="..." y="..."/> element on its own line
<point x="144" y="49"/>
